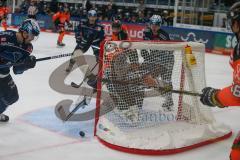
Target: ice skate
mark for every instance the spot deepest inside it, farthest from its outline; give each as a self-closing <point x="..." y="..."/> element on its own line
<point x="4" y="118"/>
<point x="60" y="44"/>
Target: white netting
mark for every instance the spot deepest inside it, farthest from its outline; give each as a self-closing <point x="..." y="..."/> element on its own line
<point x="153" y="118"/>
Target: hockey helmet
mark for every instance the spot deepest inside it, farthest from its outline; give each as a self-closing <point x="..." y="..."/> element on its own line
<point x="92" y="13"/>
<point x="156" y="19"/>
<point x="116" y="24"/>
<point x="30" y="26"/>
<point x="234" y="13"/>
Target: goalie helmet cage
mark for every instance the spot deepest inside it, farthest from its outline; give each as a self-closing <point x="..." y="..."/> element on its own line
<point x="133" y="117"/>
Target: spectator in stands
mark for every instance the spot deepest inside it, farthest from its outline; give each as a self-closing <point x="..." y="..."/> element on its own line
<point x="141" y="17"/>
<point x="100" y="15"/>
<point x="134" y="17"/>
<point x="32" y="10"/>
<point x="224" y="23"/>
<point x="87" y="5"/>
<point x="54" y="6"/>
<point x="166" y="18"/>
<point x="40" y="6"/>
<point x="46" y="9"/>
<point x="149" y="15"/>
<point x="109" y="13"/>
<point x="119" y="14"/>
<point x="126" y="18"/>
<point x="24" y="6"/>
<point x="141" y="6"/>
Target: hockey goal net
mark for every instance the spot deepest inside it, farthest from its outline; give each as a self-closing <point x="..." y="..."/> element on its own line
<point x="138" y="110"/>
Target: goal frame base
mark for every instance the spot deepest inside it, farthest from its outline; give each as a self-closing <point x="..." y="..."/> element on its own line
<point x="162" y="152"/>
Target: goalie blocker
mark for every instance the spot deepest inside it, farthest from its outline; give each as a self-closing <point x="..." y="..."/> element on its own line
<point x="138" y="108"/>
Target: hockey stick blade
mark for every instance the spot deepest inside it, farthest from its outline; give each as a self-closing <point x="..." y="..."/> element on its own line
<point x="74" y="85"/>
<point x="81" y="104"/>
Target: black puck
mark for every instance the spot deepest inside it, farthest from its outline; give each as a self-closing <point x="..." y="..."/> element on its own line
<point x="82" y="134"/>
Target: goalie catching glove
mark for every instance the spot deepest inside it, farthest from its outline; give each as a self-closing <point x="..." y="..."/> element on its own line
<point x="209" y="97"/>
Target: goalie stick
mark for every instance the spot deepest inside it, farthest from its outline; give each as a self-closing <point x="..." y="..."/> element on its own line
<point x="81" y="104"/>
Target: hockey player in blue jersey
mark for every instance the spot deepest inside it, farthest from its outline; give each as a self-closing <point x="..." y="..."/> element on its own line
<point x="15" y="47"/>
<point x="163" y="58"/>
<point x="88" y="33"/>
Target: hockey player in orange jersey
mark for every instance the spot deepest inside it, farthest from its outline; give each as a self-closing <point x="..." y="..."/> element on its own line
<point x="59" y="19"/>
<point x="3" y="15"/>
<point x="230" y="95"/>
<point x="119" y="32"/>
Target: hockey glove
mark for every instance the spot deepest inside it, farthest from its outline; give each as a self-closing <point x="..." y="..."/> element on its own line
<point x="209" y="98"/>
<point x="27" y="63"/>
<point x="30" y="62"/>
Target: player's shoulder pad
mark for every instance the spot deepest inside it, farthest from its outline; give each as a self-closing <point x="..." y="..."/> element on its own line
<point x="8" y="33"/>
<point x="99" y="27"/>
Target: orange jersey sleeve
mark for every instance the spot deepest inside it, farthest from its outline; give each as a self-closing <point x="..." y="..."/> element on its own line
<point x="230" y="96"/>
<point x="55" y="16"/>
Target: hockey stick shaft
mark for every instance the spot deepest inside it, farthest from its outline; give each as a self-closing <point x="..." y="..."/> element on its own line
<point x="80" y="104"/>
<point x="61" y="55"/>
<point x="165" y="89"/>
<point x="37" y="60"/>
<point x="83" y="102"/>
<point x="43" y="59"/>
<point x="54" y="57"/>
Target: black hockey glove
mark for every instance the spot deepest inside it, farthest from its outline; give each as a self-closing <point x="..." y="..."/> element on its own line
<point x="208" y="97"/>
<point x="27" y="63"/>
<point x="30" y="62"/>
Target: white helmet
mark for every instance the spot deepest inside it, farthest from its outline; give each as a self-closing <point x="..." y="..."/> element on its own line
<point x="156" y="19"/>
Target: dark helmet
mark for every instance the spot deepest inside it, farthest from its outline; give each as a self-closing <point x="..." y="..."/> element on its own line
<point x="234" y="13"/>
<point x="30" y="26"/>
<point x="60" y="8"/>
<point x="116" y="24"/>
